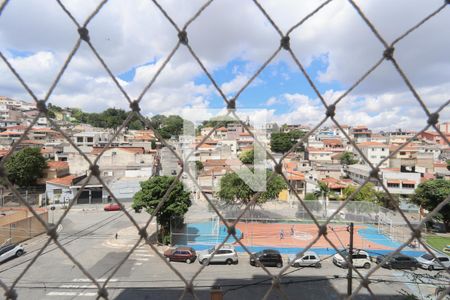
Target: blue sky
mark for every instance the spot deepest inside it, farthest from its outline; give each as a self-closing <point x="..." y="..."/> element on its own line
<point x="275" y="80"/>
<point x="135" y="39"/>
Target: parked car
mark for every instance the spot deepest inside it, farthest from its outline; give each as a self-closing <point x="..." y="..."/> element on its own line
<point x="111" y="207"/>
<point x="428" y="262"/>
<point x="360" y="259"/>
<point x="398" y="261"/>
<point x="226" y="254"/>
<point x="186" y="254"/>
<point x="308" y="259"/>
<point x="268" y="258"/>
<point x="10" y="251"/>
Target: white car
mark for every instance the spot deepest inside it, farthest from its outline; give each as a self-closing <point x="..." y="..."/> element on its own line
<point x="308" y="259"/>
<point x="226" y="254"/>
<point x="9" y="251"/>
<point x="360" y="259"/>
<point x="428" y="262"/>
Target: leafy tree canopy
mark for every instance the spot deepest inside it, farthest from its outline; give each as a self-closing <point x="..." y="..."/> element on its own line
<point x="151" y="194"/>
<point x="430" y="194"/>
<point x="282" y="142"/>
<point x="169" y="126"/>
<point x="25" y="166"/>
<point x="247" y="157"/>
<point x="234" y="190"/>
<point x="347" y="158"/>
<point x="366" y="193"/>
<point x="110" y="118"/>
<point x="310" y="196"/>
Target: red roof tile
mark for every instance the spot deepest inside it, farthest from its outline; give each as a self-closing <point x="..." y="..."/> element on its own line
<point x="57" y="164"/>
<point x="66" y="180"/>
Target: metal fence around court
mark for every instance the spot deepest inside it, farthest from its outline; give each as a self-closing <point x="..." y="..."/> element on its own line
<point x="387" y="55"/>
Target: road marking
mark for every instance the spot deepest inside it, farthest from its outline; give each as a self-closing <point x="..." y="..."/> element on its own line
<point x="61" y="294"/>
<point x="138" y="264"/>
<point x="98" y="280"/>
<point x="71" y="294"/>
<point x="144" y="255"/>
<point x="75" y="286"/>
<point x="140" y="259"/>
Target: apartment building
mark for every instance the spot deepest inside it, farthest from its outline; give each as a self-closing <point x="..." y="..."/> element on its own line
<point x="374" y="152"/>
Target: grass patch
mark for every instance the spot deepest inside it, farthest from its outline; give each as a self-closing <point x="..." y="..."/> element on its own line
<point x="437" y="242"/>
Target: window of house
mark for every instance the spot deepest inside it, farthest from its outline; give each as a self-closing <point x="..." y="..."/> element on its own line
<point x="90" y="139"/>
<point x="79" y="139"/>
<point x="408" y="186"/>
<point x="402" y="153"/>
<point x="393" y="185"/>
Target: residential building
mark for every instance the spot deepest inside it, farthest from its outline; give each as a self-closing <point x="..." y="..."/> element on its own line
<point x="361" y="133"/>
<point x="374" y="153"/>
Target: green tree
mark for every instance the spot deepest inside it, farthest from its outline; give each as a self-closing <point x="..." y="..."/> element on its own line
<point x="323" y="190"/>
<point x="171" y="126"/>
<point x="384" y="200"/>
<point x="25" y="166"/>
<point x="347" y="158"/>
<point x="247" y="157"/>
<point x="153" y="144"/>
<point x="199" y="165"/>
<point x="234" y="190"/>
<point x="367" y="193"/>
<point x="310" y="196"/>
<point x="430" y="194"/>
<point x="151" y="194"/>
<point x="219" y="120"/>
<point x="282" y="142"/>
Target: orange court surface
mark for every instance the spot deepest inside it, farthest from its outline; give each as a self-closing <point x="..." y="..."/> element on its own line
<point x="285" y="235"/>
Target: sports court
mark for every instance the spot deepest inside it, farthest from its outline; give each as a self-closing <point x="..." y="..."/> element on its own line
<point x="288" y="237"/>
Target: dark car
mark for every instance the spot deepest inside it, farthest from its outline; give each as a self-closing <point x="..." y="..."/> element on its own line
<point x="398" y="261"/>
<point x="186" y="254"/>
<point x="268" y="258"/>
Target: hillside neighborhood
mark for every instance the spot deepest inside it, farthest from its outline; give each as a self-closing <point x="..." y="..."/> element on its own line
<point x="135" y="155"/>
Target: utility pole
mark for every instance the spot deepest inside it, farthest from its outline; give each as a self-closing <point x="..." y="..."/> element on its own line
<point x="350" y="258"/>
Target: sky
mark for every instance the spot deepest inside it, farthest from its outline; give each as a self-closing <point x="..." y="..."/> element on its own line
<point x="233" y="39"/>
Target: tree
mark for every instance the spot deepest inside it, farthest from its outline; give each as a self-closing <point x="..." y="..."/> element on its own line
<point x="310" y="196"/>
<point x="247" y="157"/>
<point x="234" y="190"/>
<point x="384" y="200"/>
<point x="347" y="158"/>
<point x="282" y="142"/>
<point x="25" y="166"/>
<point x="151" y="194"/>
<point x="430" y="194"/>
<point x="323" y="190"/>
<point x="199" y="165"/>
<point x="170" y="126"/>
<point x="366" y="193"/>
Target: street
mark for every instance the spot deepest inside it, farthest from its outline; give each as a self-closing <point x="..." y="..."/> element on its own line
<point x="89" y="235"/>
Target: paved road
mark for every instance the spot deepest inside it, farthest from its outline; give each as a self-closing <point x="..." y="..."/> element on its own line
<point x="90" y="237"/>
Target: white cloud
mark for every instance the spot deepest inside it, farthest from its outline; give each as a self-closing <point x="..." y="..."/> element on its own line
<point x="134" y="34"/>
<point x="271" y="101"/>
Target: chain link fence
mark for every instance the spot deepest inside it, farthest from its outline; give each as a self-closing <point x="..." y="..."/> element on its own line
<point x="82" y="28"/>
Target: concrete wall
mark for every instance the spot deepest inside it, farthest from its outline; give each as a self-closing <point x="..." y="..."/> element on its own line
<point x="22" y="225"/>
